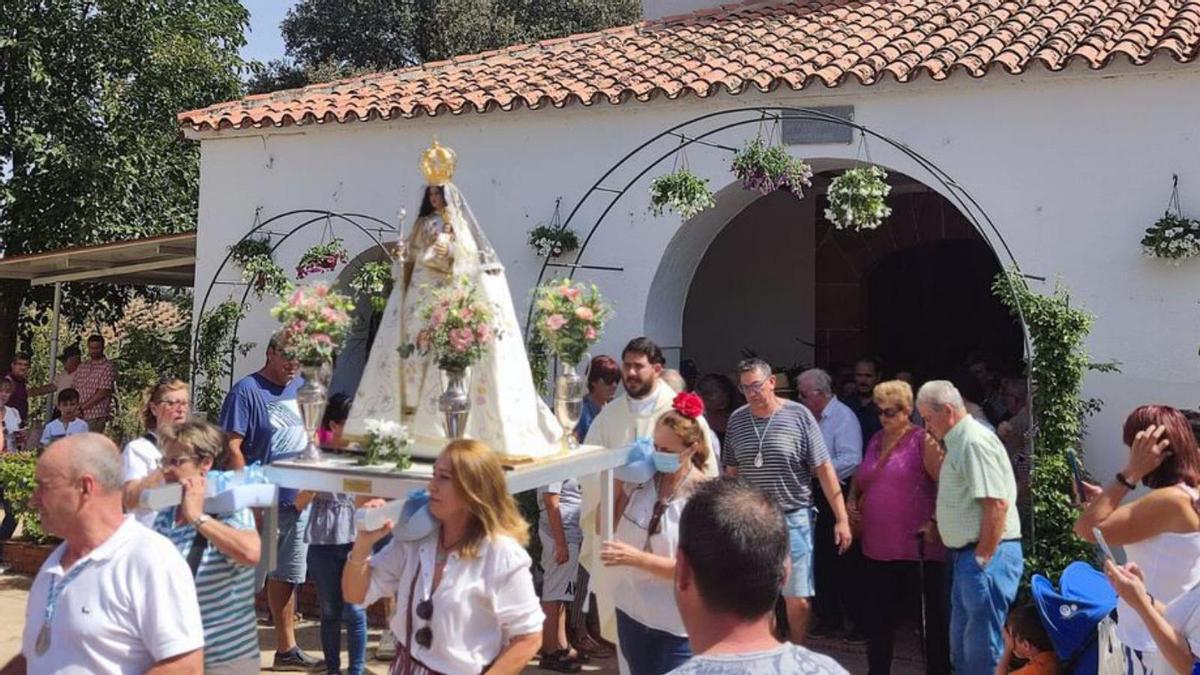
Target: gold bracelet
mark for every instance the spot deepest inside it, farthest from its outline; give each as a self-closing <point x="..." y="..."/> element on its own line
<point x="364" y="561"/>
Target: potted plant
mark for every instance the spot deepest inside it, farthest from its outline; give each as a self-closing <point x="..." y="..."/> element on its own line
<point x="315" y="322"/>
<point x="568" y="319"/>
<point x="550" y="242"/>
<point x="856" y="199"/>
<point x="321" y="258"/>
<point x="248" y="249"/>
<point x="254" y="256"/>
<point x="373" y="280"/>
<point x="680" y="191"/>
<point x="1172" y="238"/>
<point x="764" y="169"/>
<point x="459" y="326"/>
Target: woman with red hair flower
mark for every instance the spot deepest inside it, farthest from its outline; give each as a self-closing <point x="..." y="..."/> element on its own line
<point x="1159" y="529"/>
<point x="653" y="639"/>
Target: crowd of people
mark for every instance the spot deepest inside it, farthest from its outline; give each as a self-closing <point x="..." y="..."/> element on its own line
<point x="759" y="522"/>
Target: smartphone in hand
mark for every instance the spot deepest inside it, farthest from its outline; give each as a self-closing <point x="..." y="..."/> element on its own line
<point x="1103" y="544"/>
<point x="1076" y="476"/>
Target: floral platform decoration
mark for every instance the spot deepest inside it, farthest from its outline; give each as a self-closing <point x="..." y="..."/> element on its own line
<point x="315" y="322"/>
<point x="569" y="317"/>
<point x="385" y="442"/>
<point x="458" y="325"/>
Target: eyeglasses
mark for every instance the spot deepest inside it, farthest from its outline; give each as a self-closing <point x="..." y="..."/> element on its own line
<point x="174" y="404"/>
<point x="176" y="462"/>
<point x="424" y="635"/>
<point x="890" y="412"/>
<point x="753" y="387"/>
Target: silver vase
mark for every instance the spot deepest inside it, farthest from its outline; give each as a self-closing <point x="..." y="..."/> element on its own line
<point x="569" y="389"/>
<point x="455" y="402"/>
<point x="311" y="397"/>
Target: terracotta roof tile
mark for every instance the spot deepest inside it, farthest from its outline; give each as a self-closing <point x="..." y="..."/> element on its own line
<point x="750" y="45"/>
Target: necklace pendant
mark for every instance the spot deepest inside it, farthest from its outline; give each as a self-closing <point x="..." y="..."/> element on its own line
<point x="42" y="645"/>
<point x="758" y="460"/>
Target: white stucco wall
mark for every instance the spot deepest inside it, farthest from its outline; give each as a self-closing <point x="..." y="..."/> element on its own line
<point x="1071" y="167"/>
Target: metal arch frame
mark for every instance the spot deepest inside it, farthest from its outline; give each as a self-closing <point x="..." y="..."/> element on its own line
<point x="953" y="191"/>
<point x="335" y="218"/>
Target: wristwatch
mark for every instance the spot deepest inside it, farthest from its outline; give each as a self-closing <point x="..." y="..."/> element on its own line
<point x="981" y="561"/>
<point x="1126" y="482"/>
<point x="200" y="520"/>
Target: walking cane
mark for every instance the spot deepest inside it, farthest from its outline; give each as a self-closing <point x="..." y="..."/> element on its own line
<point x="921" y="591"/>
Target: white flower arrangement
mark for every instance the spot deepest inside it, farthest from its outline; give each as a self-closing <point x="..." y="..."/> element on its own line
<point x="856" y="199"/>
<point x="1172" y="238"/>
<point x="385" y="442"/>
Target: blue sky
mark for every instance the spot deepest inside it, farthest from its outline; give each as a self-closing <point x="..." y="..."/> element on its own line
<point x="263" y="39"/>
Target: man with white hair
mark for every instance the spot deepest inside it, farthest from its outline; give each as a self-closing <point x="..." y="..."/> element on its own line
<point x="977" y="519"/>
<point x="114" y="597"/>
<point x="838" y="602"/>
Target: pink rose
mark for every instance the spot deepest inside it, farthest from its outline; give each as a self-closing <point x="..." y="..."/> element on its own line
<point x="585" y="313"/>
<point x="330" y="315"/>
<point x="321" y="290"/>
<point x="297" y="297"/>
<point x="570" y="292"/>
<point x="439" y="315"/>
<point x="484" y="333"/>
<point x="590" y="334"/>
<point x="466" y="314"/>
<point x="555" y="321"/>
<point x="322" y="338"/>
<point x="461" y="339"/>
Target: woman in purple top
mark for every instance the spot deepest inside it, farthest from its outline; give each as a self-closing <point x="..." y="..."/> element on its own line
<point x="893" y="499"/>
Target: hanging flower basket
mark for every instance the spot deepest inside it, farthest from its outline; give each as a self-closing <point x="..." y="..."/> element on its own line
<point x="680" y="191"/>
<point x="264" y="276"/>
<point x="1172" y="238"/>
<point x="373" y="280"/>
<point x="856" y="199"/>
<point x="551" y="242"/>
<point x="764" y="169"/>
<point x="249" y="249"/>
<point x="321" y="258"/>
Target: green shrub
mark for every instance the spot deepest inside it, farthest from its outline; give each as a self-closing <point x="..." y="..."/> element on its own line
<point x="16" y="475"/>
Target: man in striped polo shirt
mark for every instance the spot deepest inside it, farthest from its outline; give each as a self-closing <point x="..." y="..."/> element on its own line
<point x="777" y="445"/>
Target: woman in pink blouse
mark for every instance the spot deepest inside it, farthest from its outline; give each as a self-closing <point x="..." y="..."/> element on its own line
<point x="893" y="499"/>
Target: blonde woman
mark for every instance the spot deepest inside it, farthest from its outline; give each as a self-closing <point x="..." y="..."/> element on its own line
<point x="167" y="404"/>
<point x="464" y="595"/>
<point x="653" y="639"/>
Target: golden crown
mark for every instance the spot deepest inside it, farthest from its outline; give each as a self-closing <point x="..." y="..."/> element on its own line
<point x="437" y="163"/>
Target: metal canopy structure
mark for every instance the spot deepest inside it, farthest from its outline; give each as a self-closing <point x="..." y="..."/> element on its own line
<point x="165" y="260"/>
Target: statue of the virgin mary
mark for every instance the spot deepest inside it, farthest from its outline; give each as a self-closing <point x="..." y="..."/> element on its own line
<point x="446" y="242"/>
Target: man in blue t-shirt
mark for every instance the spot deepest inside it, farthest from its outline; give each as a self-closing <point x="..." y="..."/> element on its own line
<point x="264" y="425"/>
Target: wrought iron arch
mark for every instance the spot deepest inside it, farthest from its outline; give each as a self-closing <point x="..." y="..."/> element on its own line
<point x="344" y="220"/>
<point x="698" y="130"/>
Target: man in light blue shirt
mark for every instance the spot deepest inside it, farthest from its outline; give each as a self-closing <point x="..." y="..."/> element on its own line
<point x="838" y="605"/>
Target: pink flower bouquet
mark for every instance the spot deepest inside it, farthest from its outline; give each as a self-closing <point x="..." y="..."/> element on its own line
<point x="459" y="325"/>
<point x="315" y="322"/>
<point x="569" y="317"/>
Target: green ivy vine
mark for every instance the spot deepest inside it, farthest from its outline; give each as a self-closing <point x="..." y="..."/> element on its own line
<point x="1057" y="331"/>
<point x="216" y="340"/>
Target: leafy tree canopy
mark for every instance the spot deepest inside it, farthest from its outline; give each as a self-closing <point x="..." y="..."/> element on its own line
<point x="328" y="39"/>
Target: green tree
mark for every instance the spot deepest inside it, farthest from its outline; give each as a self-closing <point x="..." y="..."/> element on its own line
<point x="327" y="39"/>
<point x="89" y="147"/>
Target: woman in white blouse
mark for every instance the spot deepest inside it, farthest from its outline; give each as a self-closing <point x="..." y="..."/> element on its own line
<point x="651" y="634"/>
<point x="167" y="404"/>
<point x="464" y="595"/>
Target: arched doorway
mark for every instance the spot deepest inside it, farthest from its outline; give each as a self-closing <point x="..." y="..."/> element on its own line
<point x="779" y="281"/>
